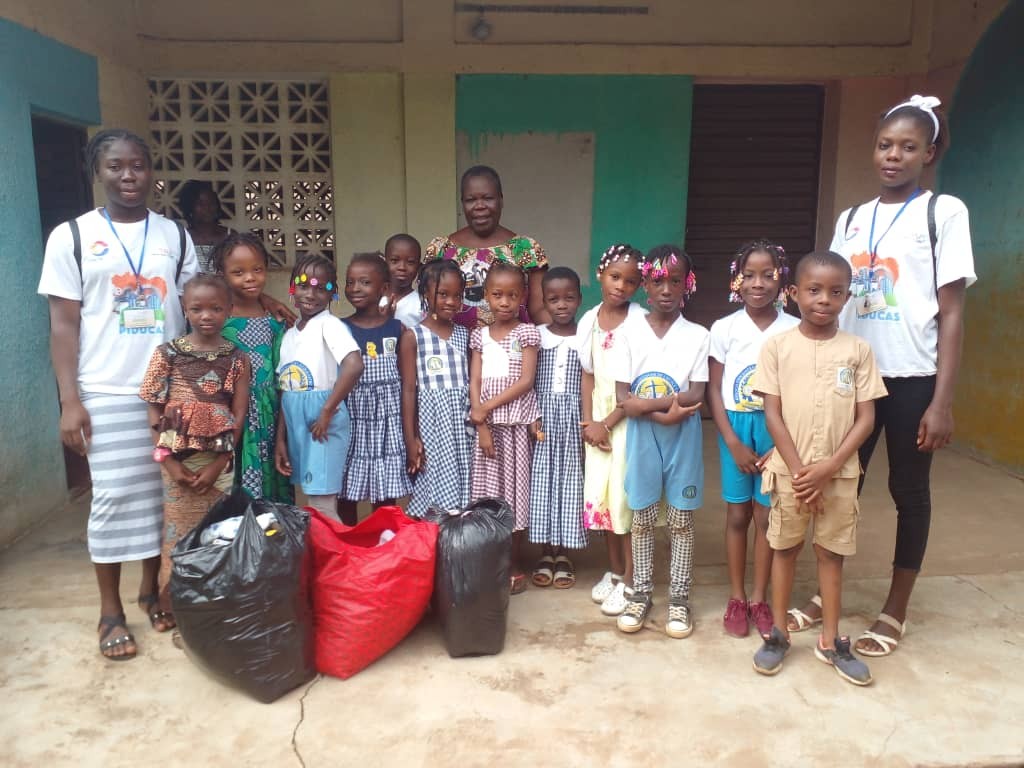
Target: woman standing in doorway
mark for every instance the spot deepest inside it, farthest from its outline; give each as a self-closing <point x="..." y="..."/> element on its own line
<point x="113" y="278"/>
<point x="202" y="211"/>
<point x="482" y="242"/>
<point x="912" y="262"/>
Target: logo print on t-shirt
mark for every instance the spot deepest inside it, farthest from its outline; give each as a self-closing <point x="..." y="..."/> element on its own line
<point x="139" y="303"/>
<point x="653" y="384"/>
<point x="99" y="248"/>
<point x="295" y="377"/>
<point x="743" y="395"/>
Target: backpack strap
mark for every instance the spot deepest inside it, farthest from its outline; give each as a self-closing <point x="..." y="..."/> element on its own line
<point x="181" y="252"/>
<point x="849" y="219"/>
<point x="933" y="237"/>
<point x="76" y="239"/>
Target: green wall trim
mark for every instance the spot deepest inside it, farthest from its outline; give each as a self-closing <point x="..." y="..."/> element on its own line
<point x="642" y="143"/>
<point x="38" y="75"/>
<point x="983" y="168"/>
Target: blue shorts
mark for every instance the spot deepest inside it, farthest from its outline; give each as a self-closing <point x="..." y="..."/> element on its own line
<point x="752" y="430"/>
<point x="318" y="467"/>
<point x="659" y="457"/>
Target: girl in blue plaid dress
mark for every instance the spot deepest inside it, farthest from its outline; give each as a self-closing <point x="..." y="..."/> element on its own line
<point x="503" y="405"/>
<point x="556" y="489"/>
<point x="376" y="469"/>
<point x="435" y="405"/>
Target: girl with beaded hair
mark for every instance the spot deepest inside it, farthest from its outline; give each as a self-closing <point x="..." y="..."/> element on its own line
<point x="599" y="344"/>
<point x="758" y="282"/>
<point x="910" y="251"/>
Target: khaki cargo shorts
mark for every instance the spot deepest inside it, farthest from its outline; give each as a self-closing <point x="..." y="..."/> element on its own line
<point x="835" y="529"/>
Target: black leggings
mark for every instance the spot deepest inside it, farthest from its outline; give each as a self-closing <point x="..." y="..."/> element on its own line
<point x="909" y="469"/>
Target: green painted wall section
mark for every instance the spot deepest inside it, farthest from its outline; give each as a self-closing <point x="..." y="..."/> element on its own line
<point x="37" y="75"/>
<point x="642" y="136"/>
<point x="984" y="168"/>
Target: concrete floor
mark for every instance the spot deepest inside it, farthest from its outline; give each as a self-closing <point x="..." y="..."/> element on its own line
<point x="569" y="689"/>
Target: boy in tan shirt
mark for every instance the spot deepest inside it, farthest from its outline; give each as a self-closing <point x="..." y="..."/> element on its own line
<point x="819" y="386"/>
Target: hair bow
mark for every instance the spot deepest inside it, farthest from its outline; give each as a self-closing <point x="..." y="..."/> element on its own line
<point x="926" y="104"/>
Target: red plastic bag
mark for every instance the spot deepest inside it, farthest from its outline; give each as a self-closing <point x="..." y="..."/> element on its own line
<point x="367" y="596"/>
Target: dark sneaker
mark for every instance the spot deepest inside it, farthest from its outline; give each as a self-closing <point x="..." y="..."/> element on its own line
<point x="735" y="620"/>
<point x="680" y="622"/>
<point x="635" y="613"/>
<point x="846" y="665"/>
<point x="768" y="659"/>
<point x="761" y="615"/>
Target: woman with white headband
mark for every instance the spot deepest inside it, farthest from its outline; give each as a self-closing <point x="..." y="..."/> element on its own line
<point x="912" y="262"/>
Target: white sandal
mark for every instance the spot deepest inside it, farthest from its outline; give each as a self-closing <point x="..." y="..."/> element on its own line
<point x="803" y="621"/>
<point x="888" y="644"/>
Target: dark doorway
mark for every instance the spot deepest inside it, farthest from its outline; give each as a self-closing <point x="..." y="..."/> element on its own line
<point x="754" y="159"/>
<point x="64" y="193"/>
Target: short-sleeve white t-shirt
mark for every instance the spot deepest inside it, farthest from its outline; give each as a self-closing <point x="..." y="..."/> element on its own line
<point x="123" y="319"/>
<point x="656" y="367"/>
<point x="736" y="342"/>
<point x="310" y="357"/>
<point x="409" y="310"/>
<point x="904" y="335"/>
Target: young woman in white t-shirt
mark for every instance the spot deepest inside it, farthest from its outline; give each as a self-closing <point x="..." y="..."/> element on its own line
<point x="109" y="309"/>
<point x="908" y="302"/>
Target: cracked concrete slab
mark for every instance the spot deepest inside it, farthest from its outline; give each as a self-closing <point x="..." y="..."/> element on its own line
<point x="568" y="688"/>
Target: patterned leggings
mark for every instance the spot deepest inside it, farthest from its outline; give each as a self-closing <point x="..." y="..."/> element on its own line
<point x="680" y="531"/>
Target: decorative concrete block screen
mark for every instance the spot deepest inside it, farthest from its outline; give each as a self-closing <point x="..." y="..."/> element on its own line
<point x="264" y="145"/>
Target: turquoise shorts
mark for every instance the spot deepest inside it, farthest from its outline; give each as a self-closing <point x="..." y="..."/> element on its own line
<point x="319" y="467"/>
<point x="752" y="430"/>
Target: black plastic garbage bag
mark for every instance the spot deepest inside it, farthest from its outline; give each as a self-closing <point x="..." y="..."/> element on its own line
<point x="243" y="607"/>
<point x="471" y="583"/>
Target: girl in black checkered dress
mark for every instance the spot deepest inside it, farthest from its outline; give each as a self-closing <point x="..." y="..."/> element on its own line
<point x="556" y="489"/>
<point x="376" y="470"/>
<point x="435" y="412"/>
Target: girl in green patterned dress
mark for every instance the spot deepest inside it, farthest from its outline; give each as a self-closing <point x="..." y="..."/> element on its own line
<point x="243" y="260"/>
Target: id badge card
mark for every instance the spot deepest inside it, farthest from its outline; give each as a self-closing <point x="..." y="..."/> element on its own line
<point x="138" y="318"/>
<point x="872" y="301"/>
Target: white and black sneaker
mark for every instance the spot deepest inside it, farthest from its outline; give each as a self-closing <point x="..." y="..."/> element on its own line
<point x="680" y="622"/>
<point x="633" y="616"/>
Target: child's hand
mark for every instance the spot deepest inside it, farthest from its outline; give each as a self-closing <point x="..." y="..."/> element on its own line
<point x="280" y="311"/>
<point x="207" y="476"/>
<point x="809" y="481"/>
<point x="764" y="459"/>
<point x="319" y="428"/>
<point x="178" y="471"/>
<point x="281" y="463"/>
<point x="536" y="432"/>
<point x="414" y="456"/>
<point x="478" y="414"/>
<point x="595" y="433"/>
<point x="745" y="458"/>
<point x="486" y="441"/>
<point x="677" y="413"/>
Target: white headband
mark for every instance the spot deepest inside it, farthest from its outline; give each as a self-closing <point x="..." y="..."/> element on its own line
<point x="924" y="103"/>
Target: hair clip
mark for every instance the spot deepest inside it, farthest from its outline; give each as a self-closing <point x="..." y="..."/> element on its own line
<point x="329" y="286"/>
<point x="691" y="283"/>
<point x="314" y="282"/>
<point x="291" y="289"/>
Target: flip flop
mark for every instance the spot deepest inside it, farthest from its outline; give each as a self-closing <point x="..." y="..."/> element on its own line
<point x="112" y="623"/>
<point x="543" y="572"/>
<point x="565" y="573"/>
<point x="146" y="603"/>
<point x="888" y="643"/>
<point x="803" y="621"/>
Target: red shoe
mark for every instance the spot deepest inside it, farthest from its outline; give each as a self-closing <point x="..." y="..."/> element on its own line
<point x="735" y="620"/>
<point x="761" y="615"/>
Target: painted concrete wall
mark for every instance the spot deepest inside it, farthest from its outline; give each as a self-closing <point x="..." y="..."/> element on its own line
<point x="641" y="162"/>
<point x="36" y="75"/>
<point x="983" y="168"/>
